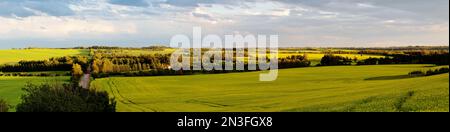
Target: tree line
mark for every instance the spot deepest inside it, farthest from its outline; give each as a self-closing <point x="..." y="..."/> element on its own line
<point x="438" y="58"/>
<point x="105" y="65"/>
<point x="430" y="72"/>
<point x="418" y="58"/>
<point x="52" y="64"/>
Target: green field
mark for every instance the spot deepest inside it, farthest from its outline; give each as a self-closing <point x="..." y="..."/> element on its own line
<point x="11" y="87"/>
<point x="14" y="56"/>
<point x="341" y="88"/>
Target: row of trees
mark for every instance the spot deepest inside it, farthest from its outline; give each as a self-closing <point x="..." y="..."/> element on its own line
<point x="52" y="64"/>
<point x="121" y="66"/>
<point x="430" y="72"/>
<point x="405" y="52"/>
<point x="125" y="63"/>
<point x="438" y="59"/>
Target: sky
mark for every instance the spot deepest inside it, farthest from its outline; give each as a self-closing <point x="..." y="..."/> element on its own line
<point x="299" y="23"/>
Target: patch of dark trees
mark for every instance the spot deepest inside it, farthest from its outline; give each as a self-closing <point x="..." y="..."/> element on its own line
<point x="430" y="72"/>
<point x="294" y="61"/>
<point x="332" y="60"/>
<point x="438" y="59"/>
<point x="404" y="48"/>
<point x="64" y="98"/>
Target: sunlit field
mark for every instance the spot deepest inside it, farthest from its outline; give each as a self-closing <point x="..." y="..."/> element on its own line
<point x="15" y="55"/>
<point x="339" y="88"/>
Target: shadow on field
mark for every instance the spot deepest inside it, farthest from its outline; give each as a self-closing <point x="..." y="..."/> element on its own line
<point x="390" y="77"/>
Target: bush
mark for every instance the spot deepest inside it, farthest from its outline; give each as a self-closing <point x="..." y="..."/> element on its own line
<point x="429" y="72"/>
<point x="4" y="107"/>
<point x="64" y="98"/>
<point x="416" y="73"/>
<point x="437" y="71"/>
<point x="331" y="60"/>
<point x="443" y="70"/>
<point x="293" y="62"/>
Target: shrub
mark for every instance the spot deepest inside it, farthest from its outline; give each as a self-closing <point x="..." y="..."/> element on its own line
<point x="293" y="61"/>
<point x="443" y="70"/>
<point x="416" y="73"/>
<point x="437" y="71"/>
<point x="4" y="107"/>
<point x="429" y="72"/>
<point x="64" y="98"/>
<point x="331" y="60"/>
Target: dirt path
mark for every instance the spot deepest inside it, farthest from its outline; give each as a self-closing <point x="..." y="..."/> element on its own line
<point x="85" y="80"/>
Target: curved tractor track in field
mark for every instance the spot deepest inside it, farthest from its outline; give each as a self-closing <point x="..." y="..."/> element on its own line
<point x="126" y="101"/>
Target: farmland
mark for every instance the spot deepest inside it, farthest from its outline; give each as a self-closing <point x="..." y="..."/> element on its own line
<point x="16" y="55"/>
<point x="139" y="80"/>
<point x="11" y="87"/>
<point x="340" y="88"/>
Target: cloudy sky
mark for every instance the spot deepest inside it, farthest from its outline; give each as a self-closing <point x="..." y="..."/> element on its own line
<point x="362" y="23"/>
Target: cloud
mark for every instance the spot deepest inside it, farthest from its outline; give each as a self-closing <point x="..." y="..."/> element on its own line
<point x="26" y="8"/>
<point x="60" y="27"/>
<point x="196" y="3"/>
<point x="138" y="3"/>
<point x="9" y="9"/>
<point x="298" y="22"/>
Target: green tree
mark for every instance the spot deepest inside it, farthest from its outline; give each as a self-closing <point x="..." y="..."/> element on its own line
<point x="107" y="66"/>
<point x="64" y="98"/>
<point x="139" y="66"/>
<point x="77" y="70"/>
<point x="82" y="60"/>
<point x="95" y="67"/>
<point x="68" y="60"/>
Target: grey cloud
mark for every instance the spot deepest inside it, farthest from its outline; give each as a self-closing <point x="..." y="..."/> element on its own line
<point x="195" y="3"/>
<point x="26" y="8"/>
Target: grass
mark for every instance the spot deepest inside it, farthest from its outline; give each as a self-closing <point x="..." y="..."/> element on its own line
<point x="11" y="87"/>
<point x="15" y="55"/>
<point x="341" y="88"/>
